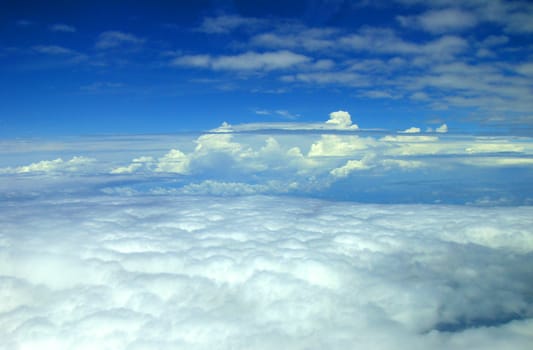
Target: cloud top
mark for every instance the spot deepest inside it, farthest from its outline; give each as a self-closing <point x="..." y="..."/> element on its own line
<point x="262" y="272"/>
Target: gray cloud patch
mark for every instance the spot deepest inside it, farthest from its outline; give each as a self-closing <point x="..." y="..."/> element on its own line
<point x="201" y="272"/>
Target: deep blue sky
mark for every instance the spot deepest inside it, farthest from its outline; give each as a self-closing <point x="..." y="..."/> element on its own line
<point x="91" y="67"/>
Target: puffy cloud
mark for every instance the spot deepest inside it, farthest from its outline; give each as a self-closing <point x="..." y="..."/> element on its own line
<point x="350" y="166"/>
<point x="174" y="161"/>
<point x="294" y="158"/>
<point x="342" y="119"/>
<point x="137" y="163"/>
<point x="442" y="129"/>
<point x="75" y="164"/>
<point x="262" y="272"/>
<point x="412" y="130"/>
<point x="339" y="120"/>
<point x="338" y="146"/>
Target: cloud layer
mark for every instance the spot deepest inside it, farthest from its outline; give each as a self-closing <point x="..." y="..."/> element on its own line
<point x="261" y="272"/>
<point x="333" y="159"/>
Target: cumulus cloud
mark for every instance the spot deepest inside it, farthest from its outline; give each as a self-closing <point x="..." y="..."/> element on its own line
<point x="351" y="166"/>
<point x="442" y="129"/>
<point x="174" y="161"/>
<point x="341" y="119"/>
<point x="136" y="164"/>
<point x="411" y="130"/>
<point x="75" y="164"/>
<point x="338" y="146"/>
<point x="287" y="157"/>
<point x="262" y="272"/>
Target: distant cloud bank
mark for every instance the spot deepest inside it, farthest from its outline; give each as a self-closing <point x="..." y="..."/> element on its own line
<point x="335" y="158"/>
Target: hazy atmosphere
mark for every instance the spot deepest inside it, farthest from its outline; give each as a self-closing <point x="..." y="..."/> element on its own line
<point x="264" y="175"/>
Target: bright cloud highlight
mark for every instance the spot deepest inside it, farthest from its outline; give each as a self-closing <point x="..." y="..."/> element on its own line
<point x="203" y="272"/>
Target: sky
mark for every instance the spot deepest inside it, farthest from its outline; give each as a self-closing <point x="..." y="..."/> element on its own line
<point x="91" y="67"/>
<point x="266" y="174"/>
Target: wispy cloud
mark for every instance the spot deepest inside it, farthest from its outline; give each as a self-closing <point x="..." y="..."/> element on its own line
<point x="23" y="23"/>
<point x="440" y="21"/>
<point x="62" y="28"/>
<point x="248" y="61"/>
<point x="114" y="39"/>
<point x="53" y="50"/>
<point x="227" y="23"/>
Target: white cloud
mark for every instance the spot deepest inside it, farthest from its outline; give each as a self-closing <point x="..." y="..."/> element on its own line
<point x="199" y="61"/>
<point x="75" y="164"/>
<point x="298" y="37"/>
<point x="286" y="114"/>
<point x="247" y="61"/>
<point x="351" y="166"/>
<point x="386" y="41"/>
<point x="412" y="130"/>
<point x="218" y="188"/>
<point x="294" y="158"/>
<point x="378" y="94"/>
<point x="442" y="129"/>
<point x="114" y="39"/>
<point x="53" y="50"/>
<point x="136" y="165"/>
<point x="341" y="119"/>
<point x="262" y="112"/>
<point x="495" y="147"/>
<point x="62" y="28"/>
<point x="227" y="23"/>
<point x="340" y="77"/>
<point x="339" y="146"/>
<point x="495" y="40"/>
<point x="499" y="161"/>
<point x="402" y="164"/>
<point x="217" y="143"/>
<point x="262" y="272"/>
<point x="441" y="21"/>
<point x="174" y="161"/>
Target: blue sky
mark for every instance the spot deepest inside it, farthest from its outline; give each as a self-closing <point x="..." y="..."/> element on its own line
<point x="389" y="102"/>
<point x="73" y="68"/>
